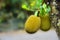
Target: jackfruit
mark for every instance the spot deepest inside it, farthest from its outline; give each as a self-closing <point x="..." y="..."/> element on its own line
<point x="45" y="23"/>
<point x="32" y="24"/>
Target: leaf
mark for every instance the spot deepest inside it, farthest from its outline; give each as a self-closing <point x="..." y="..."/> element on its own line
<point x="38" y="3"/>
<point x="49" y="9"/>
<point x="33" y="3"/>
<point x="25" y="6"/>
<point x="41" y="11"/>
<point x="45" y="7"/>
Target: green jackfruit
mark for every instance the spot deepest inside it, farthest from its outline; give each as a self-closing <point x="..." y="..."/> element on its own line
<point x="45" y="23"/>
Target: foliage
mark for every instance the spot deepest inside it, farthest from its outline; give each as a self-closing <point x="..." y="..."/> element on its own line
<point x="37" y="5"/>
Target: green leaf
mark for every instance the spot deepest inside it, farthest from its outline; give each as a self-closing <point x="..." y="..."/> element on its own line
<point x="41" y="1"/>
<point x="25" y="6"/>
<point x="41" y="11"/>
<point x="45" y="7"/>
<point x="38" y="3"/>
<point x="49" y="9"/>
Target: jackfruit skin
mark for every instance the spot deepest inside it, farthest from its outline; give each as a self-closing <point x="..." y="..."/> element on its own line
<point x="45" y="23"/>
<point x="32" y="24"/>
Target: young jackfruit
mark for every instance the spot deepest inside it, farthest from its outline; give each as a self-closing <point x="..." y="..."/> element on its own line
<point x="45" y="23"/>
<point x="32" y="24"/>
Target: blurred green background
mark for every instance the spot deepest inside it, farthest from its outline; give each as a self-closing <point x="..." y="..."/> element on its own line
<point x="13" y="13"/>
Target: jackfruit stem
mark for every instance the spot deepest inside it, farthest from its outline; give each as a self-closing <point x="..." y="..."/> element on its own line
<point x="36" y="13"/>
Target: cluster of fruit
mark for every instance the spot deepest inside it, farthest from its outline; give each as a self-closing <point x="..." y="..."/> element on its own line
<point x="35" y="23"/>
